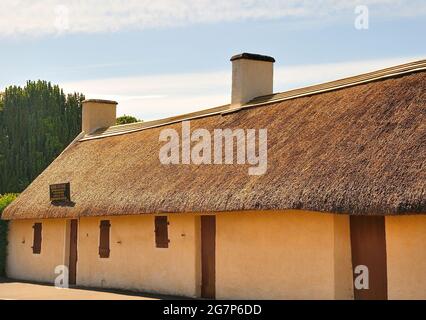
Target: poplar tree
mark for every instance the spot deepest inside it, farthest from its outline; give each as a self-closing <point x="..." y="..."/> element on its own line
<point x="36" y="123"/>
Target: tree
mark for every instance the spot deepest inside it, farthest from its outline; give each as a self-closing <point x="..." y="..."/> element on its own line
<point x="126" y="119"/>
<point x="36" y="123"/>
<point x="5" y="200"/>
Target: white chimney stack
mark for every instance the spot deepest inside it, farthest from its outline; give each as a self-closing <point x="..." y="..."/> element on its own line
<point x="252" y="76"/>
<point x="98" y="114"/>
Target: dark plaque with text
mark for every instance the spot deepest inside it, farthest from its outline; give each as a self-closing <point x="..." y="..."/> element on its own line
<point x="60" y="192"/>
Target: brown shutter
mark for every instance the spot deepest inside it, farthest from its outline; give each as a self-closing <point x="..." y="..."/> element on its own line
<point x="37" y="238"/>
<point x="104" y="239"/>
<point x="161" y="232"/>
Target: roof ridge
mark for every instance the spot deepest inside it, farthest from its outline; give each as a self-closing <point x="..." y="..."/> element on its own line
<point x="380" y="74"/>
<point x="341" y="83"/>
<point x="143" y="125"/>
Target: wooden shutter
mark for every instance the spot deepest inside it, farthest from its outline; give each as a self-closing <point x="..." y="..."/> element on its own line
<point x="208" y="257"/>
<point x="37" y="238"/>
<point x="161" y="232"/>
<point x="72" y="276"/>
<point x="104" y="239"/>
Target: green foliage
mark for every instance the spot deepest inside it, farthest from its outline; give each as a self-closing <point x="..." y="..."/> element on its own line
<point x="126" y="119"/>
<point x="36" y="123"/>
<point x="4" y="201"/>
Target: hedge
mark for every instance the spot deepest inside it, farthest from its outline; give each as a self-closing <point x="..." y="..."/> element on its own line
<point x="4" y="201"/>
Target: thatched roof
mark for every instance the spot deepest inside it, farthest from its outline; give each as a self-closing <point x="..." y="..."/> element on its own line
<point x="359" y="149"/>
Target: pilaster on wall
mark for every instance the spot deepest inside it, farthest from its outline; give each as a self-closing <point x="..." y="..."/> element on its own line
<point x="343" y="272"/>
<point x="197" y="237"/>
<point x="66" y="257"/>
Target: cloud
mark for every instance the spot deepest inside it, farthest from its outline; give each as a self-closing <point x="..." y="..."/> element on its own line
<point x="154" y="97"/>
<point x="49" y="17"/>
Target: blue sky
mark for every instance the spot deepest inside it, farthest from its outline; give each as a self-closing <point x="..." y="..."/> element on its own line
<point x="173" y="57"/>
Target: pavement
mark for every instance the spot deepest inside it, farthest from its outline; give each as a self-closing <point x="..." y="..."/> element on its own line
<point x="16" y="290"/>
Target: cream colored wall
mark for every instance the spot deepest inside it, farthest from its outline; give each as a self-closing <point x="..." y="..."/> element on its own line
<point x="282" y="255"/>
<point x="22" y="263"/>
<point x="406" y="256"/>
<point x="278" y="255"/>
<point x="135" y="263"/>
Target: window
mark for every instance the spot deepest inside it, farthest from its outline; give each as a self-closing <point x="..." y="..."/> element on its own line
<point x="161" y="232"/>
<point x="37" y="238"/>
<point x="104" y="239"/>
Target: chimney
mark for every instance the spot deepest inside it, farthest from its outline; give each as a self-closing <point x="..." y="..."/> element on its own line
<point x="252" y="76"/>
<point x="98" y="114"/>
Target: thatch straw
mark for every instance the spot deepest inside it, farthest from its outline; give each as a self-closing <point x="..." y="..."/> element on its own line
<point x="359" y="150"/>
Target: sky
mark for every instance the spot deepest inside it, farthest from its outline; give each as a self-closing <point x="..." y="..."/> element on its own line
<point x="166" y="57"/>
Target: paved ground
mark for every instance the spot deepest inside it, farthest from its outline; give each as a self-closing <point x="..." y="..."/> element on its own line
<point x="11" y="290"/>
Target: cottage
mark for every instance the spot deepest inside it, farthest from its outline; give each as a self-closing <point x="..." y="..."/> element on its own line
<point x="342" y="196"/>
